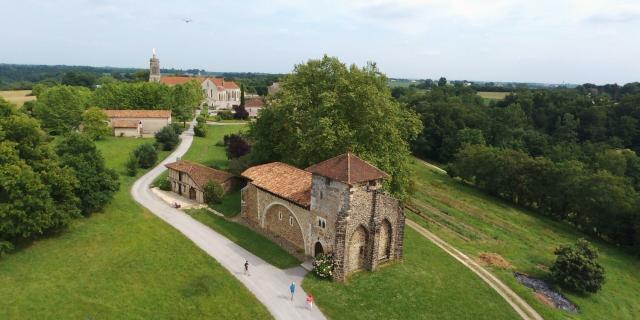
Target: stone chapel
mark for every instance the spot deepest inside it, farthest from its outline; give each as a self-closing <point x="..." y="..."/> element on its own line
<point x="337" y="206"/>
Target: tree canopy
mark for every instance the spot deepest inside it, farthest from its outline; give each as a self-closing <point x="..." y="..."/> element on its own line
<point x="325" y="108"/>
<point x="60" y="108"/>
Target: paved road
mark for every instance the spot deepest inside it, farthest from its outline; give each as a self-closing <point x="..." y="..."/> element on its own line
<point x="525" y="311"/>
<point x="268" y="283"/>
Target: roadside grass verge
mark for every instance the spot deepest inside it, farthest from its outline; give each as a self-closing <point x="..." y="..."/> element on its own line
<point x="122" y="263"/>
<point x="246" y="238"/>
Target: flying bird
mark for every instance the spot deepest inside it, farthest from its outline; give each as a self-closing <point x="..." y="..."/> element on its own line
<point x="187" y="20"/>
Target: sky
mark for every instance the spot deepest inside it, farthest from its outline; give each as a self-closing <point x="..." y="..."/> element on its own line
<point x="571" y="41"/>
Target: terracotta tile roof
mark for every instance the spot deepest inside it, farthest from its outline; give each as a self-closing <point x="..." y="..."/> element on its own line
<point x="217" y="81"/>
<point x="138" y="113"/>
<point x="173" y="80"/>
<point x="123" y="123"/>
<point x="347" y="168"/>
<point x="200" y="174"/>
<point x="283" y="180"/>
<point x="254" y="103"/>
<point x="230" y="85"/>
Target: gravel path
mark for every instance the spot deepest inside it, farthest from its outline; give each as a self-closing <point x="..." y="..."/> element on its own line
<point x="517" y="303"/>
<point x="268" y="283"/>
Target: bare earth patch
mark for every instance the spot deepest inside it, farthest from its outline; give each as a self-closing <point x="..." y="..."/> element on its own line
<point x="494" y="260"/>
<point x="545" y="299"/>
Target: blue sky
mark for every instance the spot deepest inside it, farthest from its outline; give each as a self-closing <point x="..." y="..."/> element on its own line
<point x="534" y="41"/>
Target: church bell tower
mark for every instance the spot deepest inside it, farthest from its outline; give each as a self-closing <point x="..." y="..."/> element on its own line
<point x="154" y="68"/>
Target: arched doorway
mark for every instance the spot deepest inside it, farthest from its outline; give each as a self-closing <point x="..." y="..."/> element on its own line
<point x="384" y="240"/>
<point x="317" y="250"/>
<point x="192" y="193"/>
<point x="358" y="249"/>
<point x="280" y="221"/>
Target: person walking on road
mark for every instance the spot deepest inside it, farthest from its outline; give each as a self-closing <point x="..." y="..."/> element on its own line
<point x="292" y="288"/>
<point x="246" y="267"/>
<point x="310" y="301"/>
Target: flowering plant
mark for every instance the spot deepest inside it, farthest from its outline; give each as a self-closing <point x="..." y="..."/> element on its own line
<point x="323" y="266"/>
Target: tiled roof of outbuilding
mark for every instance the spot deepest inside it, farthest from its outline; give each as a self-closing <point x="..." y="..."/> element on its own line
<point x="254" y="103"/>
<point x="347" y="168"/>
<point x="283" y="180"/>
<point x="200" y="174"/>
<point x="138" y="113"/>
<point x="124" y="123"/>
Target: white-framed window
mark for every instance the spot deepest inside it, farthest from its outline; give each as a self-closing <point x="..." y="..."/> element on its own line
<point x="290" y="220"/>
<point x="280" y="215"/>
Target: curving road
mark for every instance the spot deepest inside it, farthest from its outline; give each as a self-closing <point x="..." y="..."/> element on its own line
<point x="268" y="283"/>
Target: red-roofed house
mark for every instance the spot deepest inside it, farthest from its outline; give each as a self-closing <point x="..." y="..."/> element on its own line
<point x="189" y="179"/>
<point x="337" y="206"/>
<point x="130" y="123"/>
<point x="253" y="106"/>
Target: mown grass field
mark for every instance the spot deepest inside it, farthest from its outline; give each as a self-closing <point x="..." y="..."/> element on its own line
<point x="246" y="238"/>
<point x="493" y="95"/>
<point x="17" y="97"/>
<point x="206" y="151"/>
<point x="428" y="284"/>
<point x="475" y="222"/>
<point x="123" y="263"/>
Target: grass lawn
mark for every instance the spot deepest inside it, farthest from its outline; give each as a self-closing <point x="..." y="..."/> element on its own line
<point x="230" y="205"/>
<point x="246" y="238"/>
<point x="205" y="151"/>
<point x="475" y="222"/>
<point x="123" y="263"/>
<point x="428" y="284"/>
<point x="17" y="97"/>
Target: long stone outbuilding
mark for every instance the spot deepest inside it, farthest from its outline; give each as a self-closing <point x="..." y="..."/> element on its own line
<point x="336" y="206"/>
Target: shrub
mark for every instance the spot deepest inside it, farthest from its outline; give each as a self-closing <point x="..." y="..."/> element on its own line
<point x="213" y="193"/>
<point x="132" y="165"/>
<point x="237" y="146"/>
<point x="576" y="267"/>
<point x="239" y="165"/>
<point x="164" y="184"/>
<point x="177" y="128"/>
<point x="146" y="155"/>
<point x="5" y="247"/>
<point x="200" y="130"/>
<point x="167" y="138"/>
<point x="225" y="115"/>
<point x="240" y="112"/>
<point x="323" y="265"/>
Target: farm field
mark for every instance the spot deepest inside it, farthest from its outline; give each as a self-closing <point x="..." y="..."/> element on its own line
<point x="123" y="263"/>
<point x="475" y="223"/>
<point x="17" y="97"/>
<point x="493" y="95"/>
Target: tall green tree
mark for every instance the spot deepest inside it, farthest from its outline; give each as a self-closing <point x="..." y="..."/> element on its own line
<point x="95" y="123"/>
<point x="325" y="108"/>
<point x="37" y="195"/>
<point x="97" y="182"/>
<point x="60" y="108"/>
<point x="186" y="97"/>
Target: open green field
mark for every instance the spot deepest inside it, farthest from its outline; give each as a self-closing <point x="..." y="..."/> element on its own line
<point x="205" y="151"/>
<point x="475" y="222"/>
<point x="123" y="263"/>
<point x="246" y="238"/>
<point x="17" y="97"/>
<point x="493" y="95"/>
<point x="428" y="284"/>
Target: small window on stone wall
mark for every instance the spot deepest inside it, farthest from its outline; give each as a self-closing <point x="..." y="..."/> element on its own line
<point x="279" y="215"/>
<point x="290" y="221"/>
<point x="322" y="223"/>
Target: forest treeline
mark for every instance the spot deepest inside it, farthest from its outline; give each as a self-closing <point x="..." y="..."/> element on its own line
<point x="567" y="153"/>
